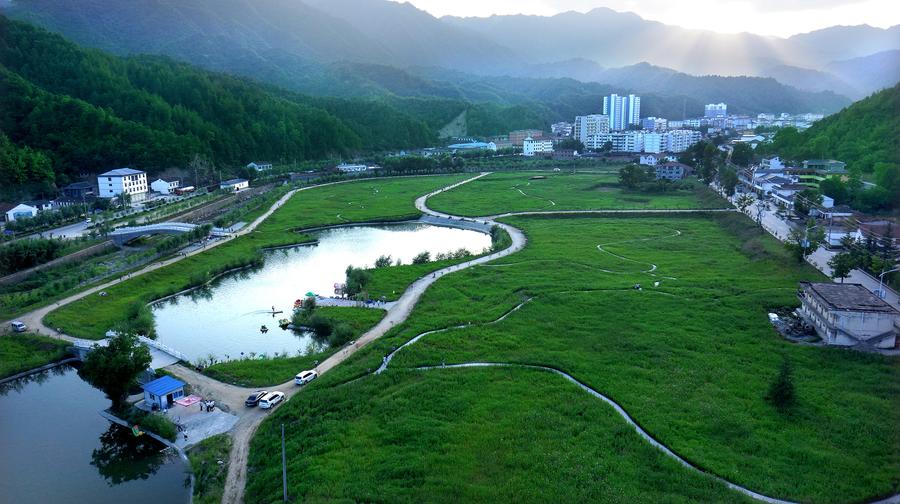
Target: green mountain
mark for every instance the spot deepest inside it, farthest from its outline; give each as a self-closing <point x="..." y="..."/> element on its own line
<point x="862" y="135"/>
<point x="89" y="111"/>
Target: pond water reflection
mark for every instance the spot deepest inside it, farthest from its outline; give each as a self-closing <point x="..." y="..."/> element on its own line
<point x="224" y="319"/>
<point x="55" y="447"/>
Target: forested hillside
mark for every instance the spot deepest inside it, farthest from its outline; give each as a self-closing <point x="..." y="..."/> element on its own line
<point x="89" y="111"/>
<point x="862" y="135"/>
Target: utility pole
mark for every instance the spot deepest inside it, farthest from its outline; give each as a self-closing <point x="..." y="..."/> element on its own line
<point x="283" y="465"/>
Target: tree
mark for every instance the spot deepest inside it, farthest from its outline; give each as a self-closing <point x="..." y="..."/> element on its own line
<point x="836" y="189"/>
<point x="114" y="368"/>
<point x="607" y="146"/>
<point x="803" y="242"/>
<point x="742" y="154"/>
<point x="383" y="261"/>
<point x="422" y="258"/>
<point x="806" y="200"/>
<point x="728" y="178"/>
<point x="309" y="306"/>
<point x="631" y="176"/>
<point x="744" y="201"/>
<point x="357" y="281"/>
<point x="841" y="265"/>
<point x="571" y="143"/>
<point x="709" y="162"/>
<point x="781" y="391"/>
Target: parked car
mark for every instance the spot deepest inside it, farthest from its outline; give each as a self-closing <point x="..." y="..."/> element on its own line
<point x="271" y="400"/>
<point x="255" y="397"/>
<point x="305" y="377"/>
<point x="18" y="326"/>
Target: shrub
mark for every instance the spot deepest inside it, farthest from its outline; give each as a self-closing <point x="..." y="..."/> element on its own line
<point x="781" y="391"/>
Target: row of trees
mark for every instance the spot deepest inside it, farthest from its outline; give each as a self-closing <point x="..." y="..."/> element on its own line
<point x="868" y="254"/>
<point x="24" y="254"/>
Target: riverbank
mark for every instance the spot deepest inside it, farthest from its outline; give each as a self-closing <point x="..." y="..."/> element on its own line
<point x="24" y="354"/>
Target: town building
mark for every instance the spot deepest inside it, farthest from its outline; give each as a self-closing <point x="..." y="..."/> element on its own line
<point x="649" y="159"/>
<point x="260" y="165"/>
<point x="681" y="140"/>
<point x="627" y="141"/>
<point x="564" y="154"/>
<point x="234" y="185"/>
<point x="123" y="180"/>
<point x="79" y="191"/>
<point x="622" y="111"/>
<point x="848" y="315"/>
<point x="654" y="142"/>
<point x="672" y="171"/>
<point x="165" y="186"/>
<point x="825" y="167"/>
<point x="491" y="146"/>
<point x="21" y="211"/>
<point x="715" y="110"/>
<point x="517" y="138"/>
<point x="531" y="147"/>
<point x="591" y="130"/>
<point x="562" y="129"/>
<point x="162" y="393"/>
<point x="657" y="124"/>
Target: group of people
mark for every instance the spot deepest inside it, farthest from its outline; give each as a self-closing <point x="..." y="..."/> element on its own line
<point x="207" y="405"/>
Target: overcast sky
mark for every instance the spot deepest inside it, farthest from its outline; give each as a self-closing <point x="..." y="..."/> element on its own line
<point x="766" y="17"/>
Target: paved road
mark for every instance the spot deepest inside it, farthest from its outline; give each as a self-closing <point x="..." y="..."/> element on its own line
<point x="70" y="231"/>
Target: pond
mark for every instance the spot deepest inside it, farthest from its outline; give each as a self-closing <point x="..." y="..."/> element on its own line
<point x="224" y="319"/>
<point x="56" y="447"/>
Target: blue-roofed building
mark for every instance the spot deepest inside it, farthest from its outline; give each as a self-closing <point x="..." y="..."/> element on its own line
<point x="162" y="392"/>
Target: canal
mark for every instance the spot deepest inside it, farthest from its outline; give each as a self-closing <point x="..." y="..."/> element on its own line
<point x="55" y="447"/>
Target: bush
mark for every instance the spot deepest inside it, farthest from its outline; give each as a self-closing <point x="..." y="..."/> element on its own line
<point x="781" y="392"/>
<point x="341" y="334"/>
<point x="383" y="261"/>
<point x="422" y="258"/>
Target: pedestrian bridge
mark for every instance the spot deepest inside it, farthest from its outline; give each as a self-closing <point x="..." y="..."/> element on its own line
<point x="123" y="235"/>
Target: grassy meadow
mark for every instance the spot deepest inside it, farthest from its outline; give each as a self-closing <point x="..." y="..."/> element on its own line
<point x="691" y="359"/>
<point x="379" y="199"/>
<point x="21" y="352"/>
<point x="519" y="192"/>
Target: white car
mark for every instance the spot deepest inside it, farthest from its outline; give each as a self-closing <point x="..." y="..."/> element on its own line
<point x="271" y="400"/>
<point x="305" y="377"/>
<point x="18" y="326"/>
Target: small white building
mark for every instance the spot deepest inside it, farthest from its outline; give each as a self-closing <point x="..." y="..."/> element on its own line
<point x="531" y="147"/>
<point x="234" y="185"/>
<point x="351" y="168"/>
<point x="649" y="159"/>
<point x="21" y="211"/>
<point x="165" y="186"/>
<point x="162" y="392"/>
<point x="848" y="315"/>
<point x="672" y="171"/>
<point x="260" y="166"/>
<point x="123" y="180"/>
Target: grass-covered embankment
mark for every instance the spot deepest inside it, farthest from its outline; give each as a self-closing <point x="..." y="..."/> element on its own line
<point x="691" y="359"/>
<point x="21" y="352"/>
<point x="358" y="201"/>
<point x="519" y="192"/>
<point x="209" y="463"/>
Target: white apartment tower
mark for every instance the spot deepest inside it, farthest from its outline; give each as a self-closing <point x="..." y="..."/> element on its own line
<point x="622" y="110"/>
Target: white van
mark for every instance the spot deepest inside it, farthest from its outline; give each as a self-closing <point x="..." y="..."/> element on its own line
<point x="18" y="326"/>
<point x="272" y="399"/>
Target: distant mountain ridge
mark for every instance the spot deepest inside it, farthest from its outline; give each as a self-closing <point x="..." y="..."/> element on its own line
<point x="332" y="48"/>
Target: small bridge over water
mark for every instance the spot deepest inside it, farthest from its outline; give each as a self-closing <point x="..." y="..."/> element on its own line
<point x="162" y="355"/>
<point x="123" y="235"/>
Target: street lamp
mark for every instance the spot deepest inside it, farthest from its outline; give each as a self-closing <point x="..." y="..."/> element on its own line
<point x="880" y="293"/>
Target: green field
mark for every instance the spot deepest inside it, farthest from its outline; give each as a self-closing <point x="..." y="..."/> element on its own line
<point x="381" y="199"/>
<point x="277" y="370"/>
<point x="519" y="192"/>
<point x="21" y="352"/>
<point x="690" y="359"/>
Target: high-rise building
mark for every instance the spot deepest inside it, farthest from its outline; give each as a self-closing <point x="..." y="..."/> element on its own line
<point x="657" y="124"/>
<point x="592" y="130"/>
<point x="681" y="140"/>
<point x="622" y="110"/>
<point x="716" y="110"/>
